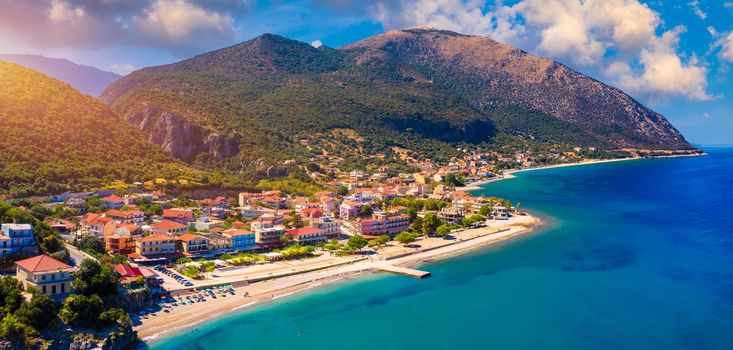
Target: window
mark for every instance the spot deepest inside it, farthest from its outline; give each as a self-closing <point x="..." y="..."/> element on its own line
<point x="43" y="277"/>
<point x="53" y="289"/>
<point x="63" y="287"/>
<point x="43" y="289"/>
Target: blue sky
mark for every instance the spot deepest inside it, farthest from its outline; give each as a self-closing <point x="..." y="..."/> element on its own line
<point x="674" y="56"/>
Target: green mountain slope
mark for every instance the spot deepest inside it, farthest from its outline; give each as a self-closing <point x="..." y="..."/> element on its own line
<point x="55" y="138"/>
<point x="423" y="90"/>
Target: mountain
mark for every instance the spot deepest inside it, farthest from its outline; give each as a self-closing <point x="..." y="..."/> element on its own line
<point x="86" y="79"/>
<point x="419" y="89"/>
<point x="55" y="139"/>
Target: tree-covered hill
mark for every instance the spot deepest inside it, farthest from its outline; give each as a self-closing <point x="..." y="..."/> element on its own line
<point x="53" y="138"/>
<point x="424" y="90"/>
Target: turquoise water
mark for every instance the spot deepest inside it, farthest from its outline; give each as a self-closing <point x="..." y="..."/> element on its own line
<point x="637" y="255"/>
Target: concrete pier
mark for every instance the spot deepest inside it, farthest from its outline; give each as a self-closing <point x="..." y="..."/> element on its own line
<point x="404" y="271"/>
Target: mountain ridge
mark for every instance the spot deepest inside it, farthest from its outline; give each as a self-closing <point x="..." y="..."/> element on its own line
<point x="87" y="79"/>
<point x="415" y="88"/>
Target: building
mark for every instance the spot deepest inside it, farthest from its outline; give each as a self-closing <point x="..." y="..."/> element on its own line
<point x="181" y="216"/>
<point x="241" y="239"/>
<point x="307" y="235"/>
<point x="98" y="225"/>
<point x="268" y="235"/>
<point x="118" y="244"/>
<point x="46" y="274"/>
<point x="129" y="275"/>
<point x="169" y="227"/>
<point x="331" y="228"/>
<point x="113" y="202"/>
<point x="311" y="213"/>
<point x="17" y="238"/>
<point x="219" y="242"/>
<point x="136" y="217"/>
<point x="154" y="244"/>
<point x="350" y="209"/>
<point x="190" y="244"/>
<point x="452" y="214"/>
<point x="205" y="224"/>
<point x="381" y="224"/>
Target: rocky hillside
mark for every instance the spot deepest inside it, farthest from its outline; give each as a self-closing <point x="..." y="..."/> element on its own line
<point x="419" y="89"/>
<point x="55" y="138"/>
<point x="86" y="79"/>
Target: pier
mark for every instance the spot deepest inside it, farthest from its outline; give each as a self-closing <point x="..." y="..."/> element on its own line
<point x="404" y="271"/>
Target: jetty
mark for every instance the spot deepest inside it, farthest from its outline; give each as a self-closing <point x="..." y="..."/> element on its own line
<point x="403" y="271"/>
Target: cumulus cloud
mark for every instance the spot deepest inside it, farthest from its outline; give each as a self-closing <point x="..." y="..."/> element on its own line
<point x="621" y="39"/>
<point x="183" y="26"/>
<point x="663" y="73"/>
<point x="316" y="43"/>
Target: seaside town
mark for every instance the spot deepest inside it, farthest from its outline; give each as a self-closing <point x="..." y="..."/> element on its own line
<point x="142" y="260"/>
<point x="163" y="253"/>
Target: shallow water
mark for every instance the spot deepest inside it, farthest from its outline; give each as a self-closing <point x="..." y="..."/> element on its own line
<point x="635" y="255"/>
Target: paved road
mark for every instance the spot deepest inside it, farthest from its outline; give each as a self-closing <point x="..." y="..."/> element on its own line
<point x="76" y="255"/>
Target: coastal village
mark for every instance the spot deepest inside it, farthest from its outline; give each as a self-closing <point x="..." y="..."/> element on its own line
<point x="171" y="253"/>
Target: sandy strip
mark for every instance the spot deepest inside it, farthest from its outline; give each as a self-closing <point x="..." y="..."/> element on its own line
<point x="187" y="317"/>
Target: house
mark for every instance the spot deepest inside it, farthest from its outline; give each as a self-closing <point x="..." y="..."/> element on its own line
<point x="331" y="228"/>
<point x="119" y="244"/>
<point x="17" y="238"/>
<point x="329" y="204"/>
<point x="381" y="224"/>
<point x="154" y="244"/>
<point x="307" y="235"/>
<point x="113" y="202"/>
<point x="169" y="227"/>
<point x="46" y="274"/>
<point x="249" y="198"/>
<point x="205" y="224"/>
<point x="129" y="275"/>
<point x="132" y="216"/>
<point x="181" y="216"/>
<point x="218" y="242"/>
<point x="311" y="213"/>
<point x="190" y="244"/>
<point x="241" y="239"/>
<point x="452" y="214"/>
<point x="98" y="225"/>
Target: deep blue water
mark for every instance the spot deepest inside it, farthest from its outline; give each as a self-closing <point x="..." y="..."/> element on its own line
<point x="636" y="255"/>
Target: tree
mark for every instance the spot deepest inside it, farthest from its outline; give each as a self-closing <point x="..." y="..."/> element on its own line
<point x="342" y="191"/>
<point x="406" y="237"/>
<point x="39" y="312"/>
<point x="366" y="211"/>
<point x="430" y="223"/>
<point x="11" y="297"/>
<point x="454" y="180"/>
<point x="297" y="221"/>
<point x="485" y="210"/>
<point x="442" y="230"/>
<point x="93" y="278"/>
<point x="81" y="310"/>
<point x="357" y="242"/>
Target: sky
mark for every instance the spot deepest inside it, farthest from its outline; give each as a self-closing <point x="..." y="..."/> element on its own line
<point x="674" y="56"/>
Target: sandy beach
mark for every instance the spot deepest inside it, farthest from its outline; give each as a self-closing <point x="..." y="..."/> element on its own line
<point x="185" y="317"/>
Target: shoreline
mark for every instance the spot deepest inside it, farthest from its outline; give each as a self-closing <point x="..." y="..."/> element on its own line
<point x="508" y="174"/>
<point x="164" y="325"/>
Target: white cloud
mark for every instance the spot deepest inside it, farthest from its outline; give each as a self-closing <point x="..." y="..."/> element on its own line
<point x="62" y="11"/>
<point x="726" y="51"/>
<point x="316" y="43"/>
<point x="122" y="68"/>
<point x="728" y="5"/>
<point x="695" y="4"/>
<point x="663" y="72"/>
<point x="178" y="22"/>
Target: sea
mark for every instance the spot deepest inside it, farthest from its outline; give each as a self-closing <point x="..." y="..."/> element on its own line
<point x="632" y="255"/>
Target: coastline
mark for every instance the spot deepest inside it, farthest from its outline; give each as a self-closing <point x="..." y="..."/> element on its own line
<point x="431" y="249"/>
<point x="508" y="174"/>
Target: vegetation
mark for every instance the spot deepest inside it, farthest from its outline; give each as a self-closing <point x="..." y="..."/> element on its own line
<point x="406" y="237"/>
<point x="56" y="139"/>
<point x="357" y="242"/>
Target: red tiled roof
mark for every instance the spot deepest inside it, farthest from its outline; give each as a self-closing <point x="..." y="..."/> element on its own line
<point x="112" y="198"/>
<point x="168" y="225"/>
<point x="189" y="237"/>
<point x="304" y="231"/>
<point x="42" y="263"/>
<point x="176" y="212"/>
<point x="155" y="237"/>
<point x="127" y="271"/>
<point x="235" y="233"/>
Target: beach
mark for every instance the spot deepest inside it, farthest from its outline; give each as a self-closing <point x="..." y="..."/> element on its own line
<point x="186" y="317"/>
